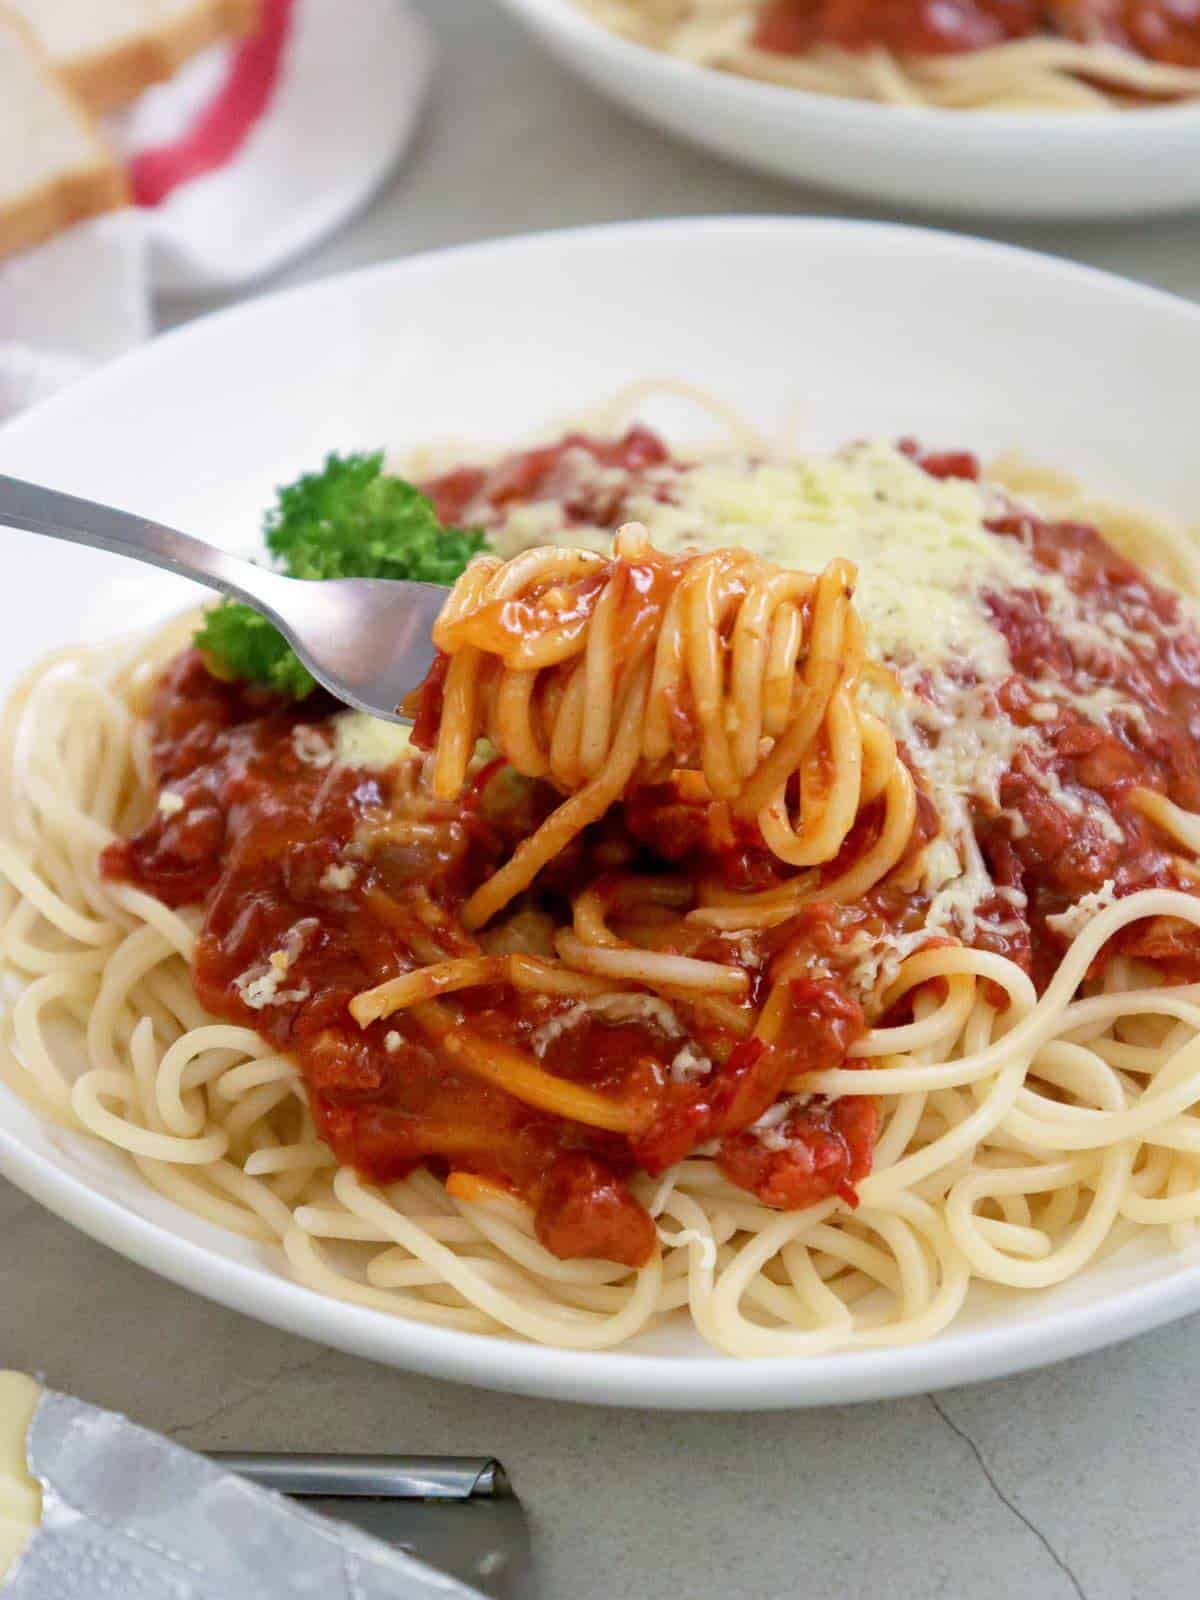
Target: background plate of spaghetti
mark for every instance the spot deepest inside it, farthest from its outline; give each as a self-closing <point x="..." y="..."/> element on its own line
<point x="1089" y="120"/>
<point x="806" y="972"/>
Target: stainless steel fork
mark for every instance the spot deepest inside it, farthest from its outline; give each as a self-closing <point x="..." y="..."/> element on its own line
<point x="366" y="639"/>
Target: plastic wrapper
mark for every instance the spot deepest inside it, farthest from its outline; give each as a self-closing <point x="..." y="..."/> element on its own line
<point x="127" y="1515"/>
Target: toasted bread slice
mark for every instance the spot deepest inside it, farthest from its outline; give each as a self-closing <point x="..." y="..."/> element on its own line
<point x="20" y="1492"/>
<point x="110" y="50"/>
<point x="54" y="166"/>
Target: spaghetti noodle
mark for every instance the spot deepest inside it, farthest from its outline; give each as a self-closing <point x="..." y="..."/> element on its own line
<point x="606" y="675"/>
<point x="872" y="974"/>
<point x="993" y="55"/>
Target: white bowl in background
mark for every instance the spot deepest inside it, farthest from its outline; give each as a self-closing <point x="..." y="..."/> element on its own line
<point x="1053" y="165"/>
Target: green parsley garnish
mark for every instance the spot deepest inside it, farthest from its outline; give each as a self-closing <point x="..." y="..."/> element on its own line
<point x="350" y="520"/>
<point x="238" y="643"/>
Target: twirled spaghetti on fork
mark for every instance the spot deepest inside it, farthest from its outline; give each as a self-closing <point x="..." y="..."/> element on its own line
<point x="602" y="674"/>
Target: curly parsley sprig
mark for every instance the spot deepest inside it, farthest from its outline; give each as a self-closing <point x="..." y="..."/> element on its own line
<point x="350" y="520"/>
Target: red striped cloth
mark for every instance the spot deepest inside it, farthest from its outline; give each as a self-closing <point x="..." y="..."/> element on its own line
<point x="248" y="156"/>
<point x="221" y="127"/>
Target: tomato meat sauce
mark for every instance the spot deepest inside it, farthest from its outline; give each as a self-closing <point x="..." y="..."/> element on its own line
<point x="1081" y="824"/>
<point x="1072" y="825"/>
<point x="1167" y="31"/>
<point x="319" y="879"/>
<point x="906" y="27"/>
<point x="588" y="476"/>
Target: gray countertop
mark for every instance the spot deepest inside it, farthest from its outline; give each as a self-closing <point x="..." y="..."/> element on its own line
<point x="1083" y="1480"/>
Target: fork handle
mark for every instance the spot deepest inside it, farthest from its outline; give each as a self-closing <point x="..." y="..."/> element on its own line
<point x="369" y="1477"/>
<point x="65" y="516"/>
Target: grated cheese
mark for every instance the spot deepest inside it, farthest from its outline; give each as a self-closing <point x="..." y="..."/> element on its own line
<point x="363" y="741"/>
<point x="1075" y="919"/>
<point x="919" y="543"/>
<point x="743" y="950"/>
<point x="337" y="879"/>
<point x="544" y="1035"/>
<point x="169" y="803"/>
<point x="689" y="1065"/>
<point x="264" y="990"/>
<point x="926" y="564"/>
<point x="609" y="1008"/>
<point x="647" y="1008"/>
<point x="1073" y="801"/>
<point x="311" y="746"/>
<point x="771" y="1129"/>
<point x="525" y="527"/>
<point x="259" y="985"/>
<point x="1100" y="703"/>
<point x="878" y="959"/>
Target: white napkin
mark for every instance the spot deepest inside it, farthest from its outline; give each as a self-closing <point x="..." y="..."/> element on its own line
<point x="286" y="134"/>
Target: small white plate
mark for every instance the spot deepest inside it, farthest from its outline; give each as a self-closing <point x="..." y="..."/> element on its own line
<point x="1057" y="165"/>
<point x="853" y="328"/>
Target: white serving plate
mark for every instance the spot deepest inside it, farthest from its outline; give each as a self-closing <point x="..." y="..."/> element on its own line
<point x="1056" y="165"/>
<point x="855" y="329"/>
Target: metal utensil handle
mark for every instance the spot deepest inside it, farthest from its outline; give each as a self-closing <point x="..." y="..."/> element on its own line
<point x="374" y="1477"/>
<point x="65" y="516"/>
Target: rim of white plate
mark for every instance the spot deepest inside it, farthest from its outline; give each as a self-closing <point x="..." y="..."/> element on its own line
<point x="705" y="1382"/>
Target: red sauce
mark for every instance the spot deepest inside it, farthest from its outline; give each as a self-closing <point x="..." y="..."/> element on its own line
<point x="1069" y="849"/>
<point x="827" y="1150"/>
<point x="1161" y="30"/>
<point x="642" y="590"/>
<point x="587" y="1211"/>
<point x="941" y="463"/>
<point x="550" y="473"/>
<point x="732" y="853"/>
<point x="906" y="27"/>
<point x="258" y="818"/>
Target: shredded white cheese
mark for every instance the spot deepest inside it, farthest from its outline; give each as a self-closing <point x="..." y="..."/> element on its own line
<point x="689" y="1065"/>
<point x="918" y="542"/>
<point x="927" y="568"/>
<point x="338" y="878"/>
<point x="169" y="803"/>
<point x="1074" y="802"/>
<point x="609" y="1008"/>
<point x="544" y="1035"/>
<point x="1075" y="919"/>
<point x="771" y="1129"/>
<point x="541" y="522"/>
<point x="743" y="950"/>
<point x="1100" y="702"/>
<point x="312" y="747"/>
<point x="647" y="1008"/>
<point x="259" y="985"/>
<point x="264" y="990"/>
<point x="363" y="741"/>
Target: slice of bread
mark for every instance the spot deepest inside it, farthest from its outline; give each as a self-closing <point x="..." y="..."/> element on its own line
<point x="20" y="1492"/>
<point x="54" y="167"/>
<point x="110" y="50"/>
